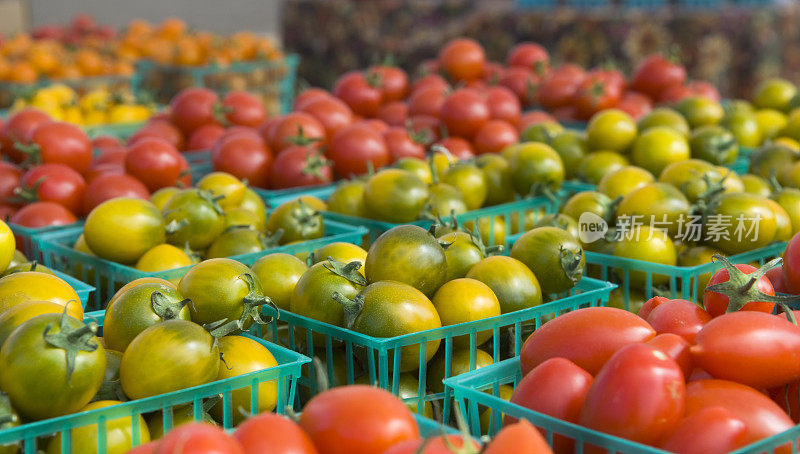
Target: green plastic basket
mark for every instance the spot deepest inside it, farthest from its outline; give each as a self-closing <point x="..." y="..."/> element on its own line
<point x="286" y="372"/>
<point x="120" y="131"/>
<point x="26" y="236"/>
<point x="107" y="276"/>
<point x="383" y="354"/>
<point x="83" y="289"/>
<point x="477" y="390"/>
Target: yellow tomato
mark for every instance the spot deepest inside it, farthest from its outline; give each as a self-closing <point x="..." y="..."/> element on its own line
<point x="226" y="185"/>
<point x="128" y="113"/>
<point x="788" y="142"/>
<point x="95" y="100"/>
<point x="7" y="245"/>
<point x="163" y="257"/>
<point x="27" y="286"/>
<point x="72" y="114"/>
<point x="94" y="117"/>
<point x="62" y="93"/>
<point x="118" y="434"/>
<point x="162" y="196"/>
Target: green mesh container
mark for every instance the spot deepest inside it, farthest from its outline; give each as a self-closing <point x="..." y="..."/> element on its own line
<point x="121" y="130"/>
<point x="25" y="238"/>
<point x="83" y="289"/>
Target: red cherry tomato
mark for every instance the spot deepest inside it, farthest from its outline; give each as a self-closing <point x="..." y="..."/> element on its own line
<point x="558" y="88"/>
<point x="651" y="304"/>
<point x="394" y="113"/>
<point x="464" y="112"/>
<point x="599" y="90"/>
<point x="62" y="143"/>
<point x="353" y="146"/>
<point x="588" y="337"/>
<point x="300" y="165"/>
<point x="523" y="82"/>
<point x="635" y="104"/>
<point x="674" y="94"/>
<point x="149" y="448"/>
<point x="519" y="438"/>
<point x="243" y="109"/>
<point x="777" y="279"/>
<point x="19" y="128"/>
<point x="676" y="348"/>
<point x="105" y="142"/>
<point x="161" y="129"/>
<point x="378" y="126"/>
<point x="458" y="147"/>
<point x="716" y="303"/>
<point x="111" y="156"/>
<point x="204" y="137"/>
<point x="531" y="118"/>
<point x="424" y="124"/>
<point x="363" y="94"/>
<point x="43" y="214"/>
<point x="357" y="419"/>
<point x="711" y="430"/>
<point x="638" y="395"/>
<point x="269" y="432"/>
<point x="198" y="438"/>
<point x="434" y="445"/>
<point x="426" y="101"/>
<point x="110" y="186"/>
<point x="243" y="156"/>
<point x="9" y="181"/>
<point x="529" y="55"/>
<point x="495" y="136"/>
<point x="97" y="170"/>
<point x="430" y="80"/>
<point x="401" y="145"/>
<point x="294" y="126"/>
<point x="332" y="113"/>
<point x="192" y="108"/>
<point x="680" y="317"/>
<point x="393" y="82"/>
<point x="157" y="164"/>
<point x="492" y="73"/>
<point x="704" y="89"/>
<point x="656" y="74"/>
<point x="308" y="95"/>
<point x="463" y="59"/>
<point x="54" y="183"/>
<point x="791" y="265"/>
<point x="503" y="104"/>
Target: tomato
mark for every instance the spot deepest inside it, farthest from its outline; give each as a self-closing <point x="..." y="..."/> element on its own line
<point x="700" y="111"/>
<point x="118" y="434"/>
<point x="54" y="183"/>
<point x="459" y="148"/>
<point x="623" y="181"/>
<point x="42" y="214"/>
<point x="745" y="220"/>
<point x="775" y="94"/>
<point x="680" y="317"/>
<point x="464" y="112"/>
<point x="465" y="300"/>
<point x="598" y="91"/>
<point x="635" y="104"/>
<point x="712" y="429"/>
<point x="300" y="165"/>
<point x="165" y="257"/>
<point x="123" y="229"/>
<point x="558" y="88"/>
<point x="157" y="164"/>
<point x="193" y="108"/>
<point x="462" y="59"/>
<point x="717" y="303"/>
<point x="791" y="265"/>
<point x="27" y="286"/>
<point x="40" y="375"/>
<point x="10" y="176"/>
<point x="107" y="187"/>
<point x="503" y="104"/>
<point x="395" y="195"/>
<point x="244" y="157"/>
<point x="534" y="164"/>
<point x="331" y="113"/>
<point x="523" y="82"/>
<point x="588" y="337"/>
<point x="657" y="147"/>
<point x="362" y="92"/>
<point x="664" y="116"/>
<point x="495" y="136"/>
<point x="612" y="130"/>
<point x="677" y="348"/>
<point x="655" y="202"/>
<point x="650" y="245"/>
<point x="588" y="202"/>
<point x="244" y="109"/>
<point x="199" y="438"/>
<point x="296" y="128"/>
<point x="470" y="180"/>
<point x="744" y="127"/>
<point x="402" y="145"/>
<point x="16" y="315"/>
<point x="714" y="144"/>
<point x="657" y="73"/>
<point x="18" y="128"/>
<point x="348" y="198"/>
<point x="393" y="82"/>
<point x="597" y="164"/>
<point x="440" y="444"/>
<point x="278" y="274"/>
<point x="427" y="100"/>
<point x="530" y="55"/>
<point x="704" y="89"/>
<point x="268" y="432"/>
<point x="418" y="247"/>
<point x="309" y="95"/>
<point x="194" y="218"/>
<point x="204" y="137"/>
<point x="521" y="437"/>
<point x="554" y="256"/>
<point x="298" y="219"/>
<point x="394" y="113"/>
<point x="353" y="146"/>
<point x="159" y="129"/>
<point x="61" y="143"/>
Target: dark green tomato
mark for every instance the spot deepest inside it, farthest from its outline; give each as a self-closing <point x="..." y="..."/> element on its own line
<point x="714" y="144"/>
<point x="498" y="178"/>
<point x="690" y="177"/>
<point x="35" y="373"/>
<point x="341" y="252"/>
<point x="772" y="160"/>
<point x="348" y="198"/>
<point x="560" y="220"/>
<point x="278" y="274"/>
<point x="445" y="200"/>
<point x="111" y="389"/>
<point x="571" y="147"/>
<point x="554" y="256"/>
<point x="757" y="185"/>
<point x="407" y="390"/>
<point x="313" y="294"/>
<point x="460" y="364"/>
<point x="27" y="266"/>
<point x="390" y="309"/>
<point x="636" y="300"/>
<point x="238" y="240"/>
<point x="751" y="209"/>
<point x="222" y="289"/>
<point x="543" y="132"/>
<point x="744" y="127"/>
<point x="168" y="356"/>
<point x="664" y="116"/>
<point x="139" y="308"/>
<point x="470" y="180"/>
<point x="657" y="204"/>
<point x="534" y="164"/>
<point x="789" y="199"/>
<point x="464" y="252"/>
<point x="597" y="164"/>
<point x="11" y="420"/>
<point x="416" y="166"/>
<point x="589" y="202"/>
<point x="395" y="195"/>
<point x="513" y="283"/>
<point x="408" y="254"/>
<point x="298" y="221"/>
<point x="700" y="111"/>
<point x="193" y="217"/>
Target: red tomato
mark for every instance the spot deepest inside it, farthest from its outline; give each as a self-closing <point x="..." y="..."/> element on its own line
<point x="198" y="438"/>
<point x="716" y="303"/>
<point x="332" y="113"/>
<point x="308" y="95"/>
<point x="192" y="108"/>
<point x="6" y="212"/>
<point x="519" y="438"/>
<point x="271" y="433"/>
<point x="300" y="165"/>
<point x="426" y="101"/>
<point x="244" y="157"/>
<point x="705" y="89"/>
<point x="676" y="348"/>
<point x="293" y="128"/>
<point x="787" y="397"/>
<point x="463" y="59"/>
<point x="357" y="419"/>
<point x="777" y="279"/>
<point x="149" y="448"/>
<point x="378" y="126"/>
<point x="495" y="136"/>
<point x="464" y="112"/>
<point x="110" y="186"/>
<point x="529" y="55"/>
<point x="111" y="156"/>
<point x="423" y="124"/>
<point x="62" y="143"/>
<point x="402" y="145"/>
<point x="523" y="82"/>
<point x="791" y="265"/>
<point x="353" y="146"/>
<point x="651" y="304"/>
<point x="43" y="214"/>
<point x="599" y="90"/>
<point x="157" y="164"/>
<point x="430" y="80"/>
<point x="9" y="180"/>
<point x="97" y="170"/>
<point x="588" y="337"/>
<point x="204" y="137"/>
<point x="267" y="128"/>
<point x="533" y="117"/>
<point x="429" y="66"/>
<point x="393" y="82"/>
<point x="656" y="74"/>
<point x="675" y="94"/>
<point x="635" y="104"/>
<point x="753" y="348"/>
<point x="363" y="94"/>
<point x="698" y="374"/>
<point x="19" y="128"/>
<point x="105" y="142"/>
<point x="712" y="430"/>
<point x="680" y="317"/>
<point x="503" y="104"/>
<point x="161" y="129"/>
<point x="434" y="445"/>
<point x="458" y="147"/>
<point x="394" y="113"/>
<point x="761" y="416"/>
<point x="559" y="87"/>
<point x="638" y="395"/>
<point x="242" y="108"/>
<point x="492" y="72"/>
<point x="54" y="183"/>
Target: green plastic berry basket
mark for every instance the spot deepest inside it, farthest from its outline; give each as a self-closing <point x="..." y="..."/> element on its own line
<point x="285" y="373"/>
<point x="25" y="238"/>
<point x="83" y="289"/>
<point x="121" y="131"/>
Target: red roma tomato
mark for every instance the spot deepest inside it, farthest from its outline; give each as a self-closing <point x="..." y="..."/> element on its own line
<point x="402" y="145"/>
<point x="198" y="438"/>
<point x="492" y="72"/>
<point x="308" y="95"/>
<point x="19" y="128"/>
<point x="791" y="265"/>
<point x="431" y="80"/>
<point x="598" y="91"/>
<point x="712" y="430"/>
<point x="519" y="438"/>
<point x="105" y="142"/>
<point x="393" y="113"/>
<point x="705" y="89"/>
<point x="503" y="104"/>
<point x="646" y="389"/>
<point x="523" y="82"/>
<point x="777" y="279"/>
<point x="462" y="59"/>
<point x="464" y="112"/>
<point x="495" y="136"/>
<point x="161" y="129"/>
<point x="192" y="108"/>
<point x="271" y="433"/>
<point x="54" y="183"/>
<point x="332" y="113"/>
<point x="762" y="417"/>
<point x="424" y="124"/>
<point x="62" y="143"/>
<point x="43" y="214"/>
<point x="716" y="304"/>
<point x="157" y="164"/>
<point x="204" y="137"/>
<point x="435" y="445"/>
<point x="753" y="348"/>
<point x="651" y="304"/>
<point x="588" y="337"/>
<point x="680" y="317"/>
<point x="353" y="146"/>
<point x="458" y="147"/>
<point x="363" y="94"/>
<point x="294" y="127"/>
<point x="110" y="186"/>
<point x="533" y="117"/>
<point x="357" y="419"/>
<point x="243" y="109"/>
<point x="9" y="180"/>
<point x="560" y="85"/>
<point x="674" y="94"/>
<point x="529" y="55"/>
<point x="676" y="348"/>
<point x="393" y="82"/>
<point x="635" y="104"/>
<point x="300" y="165"/>
<point x="656" y="74"/>
<point x="426" y="101"/>
<point x="244" y="157"/>
<point x="787" y="397"/>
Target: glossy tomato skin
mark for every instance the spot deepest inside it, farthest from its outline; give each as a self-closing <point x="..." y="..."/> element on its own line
<point x="529" y="55"/>
<point x="394" y="113"/>
<point x="494" y="136"/>
<point x="503" y="104"/>
<point x="357" y="419"/>
<point x="353" y="146"/>
<point x="63" y="143"/>
<point x="523" y="82"/>
<point x="300" y="165"/>
<point x="433" y="445"/>
<point x="10" y="176"/>
<point x="157" y="164"/>
<point x="291" y="126"/>
<point x="651" y="304"/>
<point x="464" y="112"/>
<point x="198" y="438"/>
<point x="308" y="95"/>
<point x="647" y="390"/>
<point x="427" y="100"/>
<point x="401" y="145"/>
<point x="463" y="59"/>
<point x="361" y="93"/>
<point x="520" y="438"/>
<point x="656" y="74"/>
<point x="56" y="183"/>
<point x="458" y="147"/>
<point x="204" y="137"/>
<point x="716" y="304"/>
<point x="777" y="278"/>
<point x="597" y="91"/>
<point x="791" y="265"/>
<point x="676" y="348"/>
<point x="393" y="82"/>
<point x="19" y="128"/>
<point x="244" y="157"/>
<point x="244" y="109"/>
<point x="559" y="87"/>
<point x="588" y="337"/>
<point x="331" y="112"/>
<point x="680" y="317"/>
<point x="161" y="129"/>
<point x="43" y="214"/>
<point x="193" y="108"/>
<point x="269" y="432"/>
<point x="712" y="430"/>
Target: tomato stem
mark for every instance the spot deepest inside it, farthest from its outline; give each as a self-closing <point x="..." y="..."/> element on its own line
<point x="165" y="309"/>
<point x="351" y="307"/>
<point x="348" y="271"/>
<point x="71" y="340"/>
<point x="740" y="288"/>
